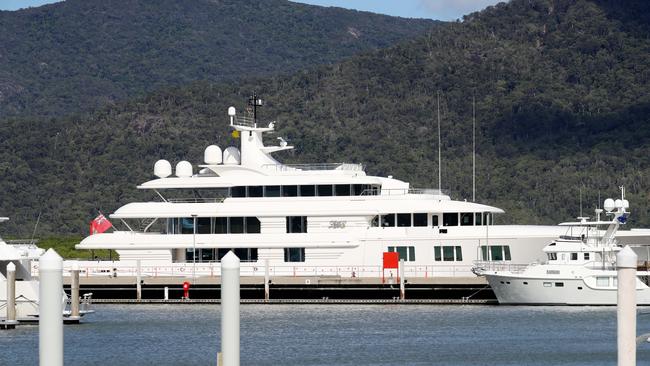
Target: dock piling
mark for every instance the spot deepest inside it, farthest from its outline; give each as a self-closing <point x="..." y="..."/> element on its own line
<point x="10" y="323"/>
<point x="50" y="309"/>
<point x="230" y="297"/>
<point x="166" y="293"/>
<point x="267" y="294"/>
<point x="74" y="292"/>
<point x="138" y="278"/>
<point x="402" y="288"/>
<point x="626" y="306"/>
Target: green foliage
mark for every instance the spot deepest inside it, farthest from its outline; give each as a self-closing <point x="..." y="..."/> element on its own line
<point x="65" y="247"/>
<point x="78" y="55"/>
<point x="562" y="105"/>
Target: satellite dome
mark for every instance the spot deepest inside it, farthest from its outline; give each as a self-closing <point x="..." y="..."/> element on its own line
<point x="231" y="156"/>
<point x="609" y="205"/>
<point x="162" y="169"/>
<point x="232" y="111"/>
<point x="618" y="203"/>
<point x="212" y="155"/>
<point x="626" y="204"/>
<point x="184" y="169"/>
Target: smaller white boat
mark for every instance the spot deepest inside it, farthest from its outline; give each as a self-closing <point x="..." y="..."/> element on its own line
<point x="580" y="267"/>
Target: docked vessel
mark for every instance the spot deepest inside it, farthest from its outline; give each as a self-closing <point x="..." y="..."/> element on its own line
<point x="580" y="268"/>
<point x="302" y="220"/>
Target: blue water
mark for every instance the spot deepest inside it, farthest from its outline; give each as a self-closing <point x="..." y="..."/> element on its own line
<point x="338" y="335"/>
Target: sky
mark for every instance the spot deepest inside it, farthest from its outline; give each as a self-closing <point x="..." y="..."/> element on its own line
<point x="432" y="9"/>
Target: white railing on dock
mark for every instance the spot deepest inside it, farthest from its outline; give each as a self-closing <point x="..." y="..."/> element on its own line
<point x="212" y="269"/>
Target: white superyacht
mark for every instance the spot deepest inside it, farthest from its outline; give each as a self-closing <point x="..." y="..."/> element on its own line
<point x="302" y="220"/>
<point x="580" y="270"/>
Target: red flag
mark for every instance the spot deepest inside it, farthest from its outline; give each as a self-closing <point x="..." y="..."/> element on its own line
<point x="99" y="225"/>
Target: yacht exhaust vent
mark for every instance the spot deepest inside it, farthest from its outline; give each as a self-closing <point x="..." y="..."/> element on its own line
<point x="231" y="156"/>
<point x="162" y="169"/>
<point x="184" y="169"/>
<point x="212" y="155"/>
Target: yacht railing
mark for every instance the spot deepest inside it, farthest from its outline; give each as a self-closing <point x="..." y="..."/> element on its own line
<point x="244" y="121"/>
<point x="196" y="200"/>
<point x="21" y="242"/>
<point x="484" y="266"/>
<point x="317" y="166"/>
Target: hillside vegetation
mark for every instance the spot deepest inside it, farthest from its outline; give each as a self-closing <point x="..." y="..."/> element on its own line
<point x="78" y="55"/>
<point x="562" y="106"/>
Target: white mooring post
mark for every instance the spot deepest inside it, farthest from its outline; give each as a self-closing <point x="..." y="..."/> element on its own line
<point x="267" y="294"/>
<point x="626" y="307"/>
<point x="166" y="293"/>
<point x="230" y="310"/>
<point x="50" y="310"/>
<point x="11" y="296"/>
<point x="74" y="292"/>
<point x="138" y="279"/>
<point x="402" y="288"/>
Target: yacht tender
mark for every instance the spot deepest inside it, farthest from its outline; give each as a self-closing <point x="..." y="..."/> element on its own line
<point x="580" y="270"/>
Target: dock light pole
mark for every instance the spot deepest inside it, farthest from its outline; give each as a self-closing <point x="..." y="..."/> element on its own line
<point x="11" y="296"/>
<point x="50" y="310"/>
<point x="626" y="307"/>
<point x="194" y="248"/>
<point x="230" y="310"/>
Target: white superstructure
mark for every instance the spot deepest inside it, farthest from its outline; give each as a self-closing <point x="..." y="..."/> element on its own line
<point x="306" y="219"/>
<point x="580" y="267"/>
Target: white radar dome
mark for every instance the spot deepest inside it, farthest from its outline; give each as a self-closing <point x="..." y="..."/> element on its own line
<point x="626" y="204"/>
<point x="162" y="169"/>
<point x="609" y="205"/>
<point x="212" y="155"/>
<point x="231" y="156"/>
<point x="184" y="169"/>
<point x="232" y="111"/>
<point x="618" y="203"/>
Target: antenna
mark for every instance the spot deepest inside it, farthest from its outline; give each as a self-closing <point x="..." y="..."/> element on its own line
<point x="580" y="190"/>
<point x="439" y="149"/>
<point x="473" y="148"/>
<point x="255" y="102"/>
<point x="36" y="226"/>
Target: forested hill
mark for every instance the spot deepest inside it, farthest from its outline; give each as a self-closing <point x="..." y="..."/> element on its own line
<point x="80" y="54"/>
<point x="562" y="105"/>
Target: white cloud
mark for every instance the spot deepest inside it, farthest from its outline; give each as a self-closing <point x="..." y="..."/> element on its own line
<point x="453" y="9"/>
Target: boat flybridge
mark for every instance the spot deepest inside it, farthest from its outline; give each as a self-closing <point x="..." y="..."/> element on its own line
<point x="580" y="268"/>
<point x="303" y="219"/>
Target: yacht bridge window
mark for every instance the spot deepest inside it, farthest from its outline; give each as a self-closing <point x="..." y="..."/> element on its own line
<point x="214" y="225"/>
<point x="212" y="255"/>
<point x="400" y="220"/>
<point x="306" y="190"/>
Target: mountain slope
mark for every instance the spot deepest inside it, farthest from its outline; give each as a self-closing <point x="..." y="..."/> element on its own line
<point x="80" y="54"/>
<point x="562" y="99"/>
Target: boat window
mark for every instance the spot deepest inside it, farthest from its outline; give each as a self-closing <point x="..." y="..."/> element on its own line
<point x="419" y="219"/>
<point x="357" y="189"/>
<point x="289" y="191"/>
<point x="407" y="253"/>
<point x="187" y="225"/>
<point x="496" y="253"/>
<point x="272" y="191"/>
<point x="244" y="254"/>
<point x="552" y="256"/>
<point x="574" y="256"/>
<point x="547" y="284"/>
<point x="466" y="219"/>
<point x="221" y="225"/>
<point x="294" y="254"/>
<point x="403" y="219"/>
<point x="602" y="281"/>
<point x="478" y="218"/>
<point x="308" y="191"/>
<point x="484" y="253"/>
<point x="238" y="192"/>
<point x="487" y="218"/>
<point x="203" y="225"/>
<point x="236" y="225"/>
<point x="342" y="189"/>
<point x="255" y="191"/>
<point x="447" y="253"/>
<point x="436" y="253"/>
<point x="506" y="252"/>
<point x="296" y="224"/>
<point x="252" y="225"/>
<point x="559" y="284"/>
<point x="586" y="256"/>
<point x="388" y="220"/>
<point x="434" y="220"/>
<point x="450" y="219"/>
<point x="375" y="221"/>
<point x="459" y="253"/>
<point x="324" y="190"/>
